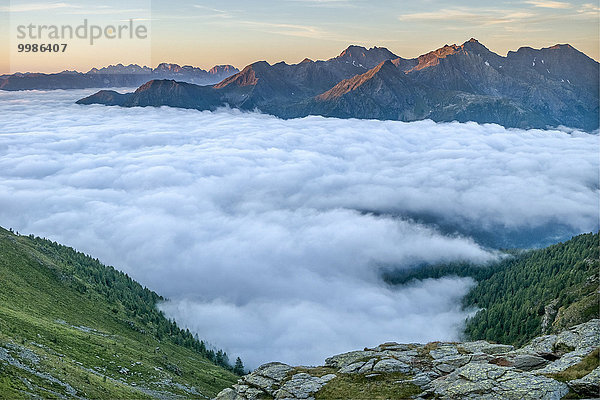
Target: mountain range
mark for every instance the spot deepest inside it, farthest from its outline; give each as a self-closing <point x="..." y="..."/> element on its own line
<point x="528" y="88"/>
<point x="116" y="76"/>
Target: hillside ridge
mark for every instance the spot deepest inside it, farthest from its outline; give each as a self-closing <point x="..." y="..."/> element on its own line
<point x="71" y="327"/>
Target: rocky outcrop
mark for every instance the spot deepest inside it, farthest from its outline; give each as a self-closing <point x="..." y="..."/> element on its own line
<point x="489" y="381"/>
<point x="440" y="370"/>
<point x="588" y="385"/>
<point x="549" y="315"/>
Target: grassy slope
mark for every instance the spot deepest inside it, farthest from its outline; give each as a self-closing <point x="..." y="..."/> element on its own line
<point x="60" y="339"/>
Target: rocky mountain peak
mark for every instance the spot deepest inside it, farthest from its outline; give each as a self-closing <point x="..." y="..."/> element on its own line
<point x="433" y="57"/>
<point x="556" y="49"/>
<point x="386" y="65"/>
<point x="565" y="46"/>
<point x="353" y="51"/>
<point x="222" y="69"/>
<point x="382" y="70"/>
<point x="154" y="83"/>
<point x="470" y="47"/>
<point x="563" y="54"/>
<point x="246" y="77"/>
<point x="474" y="46"/>
<point x="120" y="69"/>
<point x="365" y="58"/>
<point x="168" y="67"/>
<point x="455" y="82"/>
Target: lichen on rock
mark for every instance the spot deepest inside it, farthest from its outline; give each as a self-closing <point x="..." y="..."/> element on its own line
<point x="441" y="370"/>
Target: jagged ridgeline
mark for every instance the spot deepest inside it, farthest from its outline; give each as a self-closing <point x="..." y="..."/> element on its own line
<point x="529" y="88"/>
<point x="71" y="326"/>
<point x="529" y="293"/>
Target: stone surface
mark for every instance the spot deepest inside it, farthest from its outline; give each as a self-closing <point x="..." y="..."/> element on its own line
<point x="228" y="394"/>
<point x="481" y="357"/>
<point x="266" y="384"/>
<point x="368" y="366"/>
<point x="528" y="362"/>
<point x="276" y="371"/>
<point x="443" y="350"/>
<point x="540" y="345"/>
<point x="481" y="346"/>
<point x="253" y="393"/>
<point x="302" y="386"/>
<point x="351" y="357"/>
<point x="455" y="361"/>
<point x="424" y="378"/>
<point x="566" y="361"/>
<point x="444" y="368"/>
<point x="352" y="368"/>
<point x="471" y="370"/>
<point x="589" y="385"/>
<point x="528" y="386"/>
<point x="405" y="356"/>
<point x="495" y="382"/>
<point x="580" y="337"/>
<point x="389" y="365"/>
<point x="393" y="346"/>
<point x="267" y="378"/>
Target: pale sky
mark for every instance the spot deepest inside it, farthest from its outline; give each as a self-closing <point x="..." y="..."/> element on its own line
<point x="206" y="32"/>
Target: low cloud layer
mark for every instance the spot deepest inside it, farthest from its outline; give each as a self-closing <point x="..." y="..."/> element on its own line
<point x="268" y="235"/>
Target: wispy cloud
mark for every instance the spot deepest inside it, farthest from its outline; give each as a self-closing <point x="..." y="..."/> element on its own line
<point x="528" y="19"/>
<point x="479" y="17"/>
<point x="307" y="31"/>
<point x="327" y="3"/>
<point x="28" y="7"/>
<point x="72" y="9"/>
<point x="549" y="4"/>
<point x="106" y="11"/>
<point x="214" y="12"/>
<point x="589" y="10"/>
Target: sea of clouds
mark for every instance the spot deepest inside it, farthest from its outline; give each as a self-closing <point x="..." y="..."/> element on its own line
<point x="268" y="236"/>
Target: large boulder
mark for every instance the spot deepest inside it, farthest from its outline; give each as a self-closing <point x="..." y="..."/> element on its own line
<point x="528" y="362"/>
<point x="302" y="386"/>
<point x="341" y="360"/>
<point x="481" y="346"/>
<point x="489" y="381"/>
<point x="564" y="362"/>
<point x="589" y="385"/>
<point x="443" y="351"/>
<point x="388" y="365"/>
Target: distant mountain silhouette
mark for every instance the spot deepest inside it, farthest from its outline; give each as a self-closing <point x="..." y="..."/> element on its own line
<point x="115" y="76"/>
<point x="528" y="88"/>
